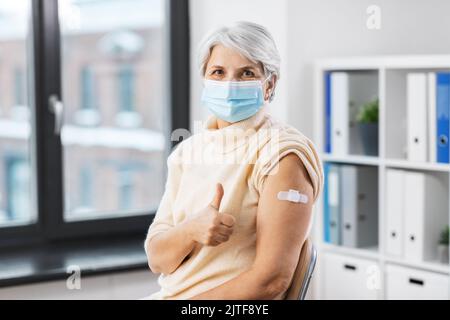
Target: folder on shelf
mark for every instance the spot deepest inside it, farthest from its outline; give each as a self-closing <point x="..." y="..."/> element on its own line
<point x="345" y="93"/>
<point x="432" y="123"/>
<point x="339" y="99"/>
<point x="425" y="214"/>
<point x="328" y="112"/>
<point x="394" y="212"/>
<point x="326" y="211"/>
<point x="332" y="214"/>
<point x="359" y="206"/>
<point x="417" y="116"/>
<point x="442" y="113"/>
<point x="414" y="198"/>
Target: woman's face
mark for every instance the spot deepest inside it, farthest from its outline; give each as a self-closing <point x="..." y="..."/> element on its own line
<point x="226" y="64"/>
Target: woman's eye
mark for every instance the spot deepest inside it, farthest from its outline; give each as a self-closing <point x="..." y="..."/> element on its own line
<point x="217" y="72"/>
<point x="249" y="73"/>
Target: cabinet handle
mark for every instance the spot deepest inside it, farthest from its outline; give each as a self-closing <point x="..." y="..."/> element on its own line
<point x="416" y="281"/>
<point x="349" y="267"/>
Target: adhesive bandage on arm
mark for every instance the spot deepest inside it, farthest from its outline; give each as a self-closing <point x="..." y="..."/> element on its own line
<point x="293" y="196"/>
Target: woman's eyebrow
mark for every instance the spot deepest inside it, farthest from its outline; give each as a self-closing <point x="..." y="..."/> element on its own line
<point x="215" y="66"/>
<point x="248" y="67"/>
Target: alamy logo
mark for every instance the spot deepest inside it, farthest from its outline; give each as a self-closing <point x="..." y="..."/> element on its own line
<point x="228" y="147"/>
<point x="373" y="277"/>
<point x="374" y="17"/>
<point x="73" y="282"/>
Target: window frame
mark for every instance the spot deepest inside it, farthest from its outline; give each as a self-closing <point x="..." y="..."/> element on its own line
<point x="46" y="76"/>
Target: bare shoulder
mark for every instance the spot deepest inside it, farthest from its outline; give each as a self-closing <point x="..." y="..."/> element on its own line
<point x="291" y="170"/>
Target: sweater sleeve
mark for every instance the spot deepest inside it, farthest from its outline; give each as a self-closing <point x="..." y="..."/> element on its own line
<point x="289" y="141"/>
<point x="164" y="216"/>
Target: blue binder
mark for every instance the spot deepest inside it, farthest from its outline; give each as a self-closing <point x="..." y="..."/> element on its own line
<point x="328" y="112"/>
<point x="332" y="206"/>
<point x="442" y="115"/>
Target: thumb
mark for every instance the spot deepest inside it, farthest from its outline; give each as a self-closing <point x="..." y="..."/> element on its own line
<point x="217" y="197"/>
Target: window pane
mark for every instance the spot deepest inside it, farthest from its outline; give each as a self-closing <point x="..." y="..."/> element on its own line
<point x="16" y="188"/>
<point x="114" y="120"/>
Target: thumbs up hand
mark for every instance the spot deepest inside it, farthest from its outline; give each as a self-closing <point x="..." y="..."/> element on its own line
<point x="215" y="203"/>
<point x="208" y="226"/>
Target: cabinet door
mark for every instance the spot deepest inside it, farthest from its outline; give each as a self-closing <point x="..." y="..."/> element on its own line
<point x="349" y="278"/>
<point x="405" y="283"/>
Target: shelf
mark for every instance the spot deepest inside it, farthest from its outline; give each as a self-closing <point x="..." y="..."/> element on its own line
<point x="433" y="266"/>
<point x="352" y="159"/>
<point x="367" y="253"/>
<point x="385" y="62"/>
<point x="405" y="164"/>
<point x="392" y="163"/>
<point x="392" y="74"/>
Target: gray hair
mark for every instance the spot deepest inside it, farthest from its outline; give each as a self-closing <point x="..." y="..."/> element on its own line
<point x="251" y="40"/>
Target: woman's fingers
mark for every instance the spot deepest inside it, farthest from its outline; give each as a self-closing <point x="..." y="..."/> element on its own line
<point x="215" y="203"/>
<point x="224" y="230"/>
<point x="221" y="238"/>
<point x="227" y="219"/>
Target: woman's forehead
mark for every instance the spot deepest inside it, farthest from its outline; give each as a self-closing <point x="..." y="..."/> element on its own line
<point x="229" y="57"/>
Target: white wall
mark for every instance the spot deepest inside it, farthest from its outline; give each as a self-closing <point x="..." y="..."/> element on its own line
<point x="338" y="28"/>
<point x="309" y="29"/>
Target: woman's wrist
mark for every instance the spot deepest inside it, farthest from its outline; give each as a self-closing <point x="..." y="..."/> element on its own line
<point x="188" y="228"/>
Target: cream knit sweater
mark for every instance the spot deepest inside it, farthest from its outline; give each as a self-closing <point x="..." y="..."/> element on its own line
<point x="239" y="156"/>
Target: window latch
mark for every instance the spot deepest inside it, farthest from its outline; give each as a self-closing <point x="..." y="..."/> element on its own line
<point x="57" y="108"/>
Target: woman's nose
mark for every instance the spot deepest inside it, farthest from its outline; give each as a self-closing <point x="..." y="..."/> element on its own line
<point x="231" y="78"/>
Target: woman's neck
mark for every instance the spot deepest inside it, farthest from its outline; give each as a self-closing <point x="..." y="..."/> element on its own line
<point x="222" y="124"/>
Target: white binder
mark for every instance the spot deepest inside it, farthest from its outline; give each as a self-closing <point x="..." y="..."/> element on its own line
<point x="414" y="208"/>
<point x="417" y="117"/>
<point x="432" y="130"/>
<point x="394" y="211"/>
<point x="339" y="113"/>
<point x="424" y="195"/>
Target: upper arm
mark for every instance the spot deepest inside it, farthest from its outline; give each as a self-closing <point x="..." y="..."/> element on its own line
<point x="282" y="226"/>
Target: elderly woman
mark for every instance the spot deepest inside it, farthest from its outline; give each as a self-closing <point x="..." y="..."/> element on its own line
<point x="222" y="230"/>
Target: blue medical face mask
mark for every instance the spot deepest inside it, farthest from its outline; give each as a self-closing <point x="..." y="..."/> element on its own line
<point x="233" y="101"/>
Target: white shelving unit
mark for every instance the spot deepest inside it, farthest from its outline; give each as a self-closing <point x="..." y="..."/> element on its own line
<point x="391" y="71"/>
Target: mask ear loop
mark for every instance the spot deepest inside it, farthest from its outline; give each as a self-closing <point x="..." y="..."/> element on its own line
<point x="263" y="83"/>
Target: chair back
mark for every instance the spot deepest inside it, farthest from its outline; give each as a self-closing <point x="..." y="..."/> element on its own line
<point x="303" y="272"/>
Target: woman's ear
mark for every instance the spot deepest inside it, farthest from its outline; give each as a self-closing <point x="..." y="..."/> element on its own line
<point x="270" y="88"/>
